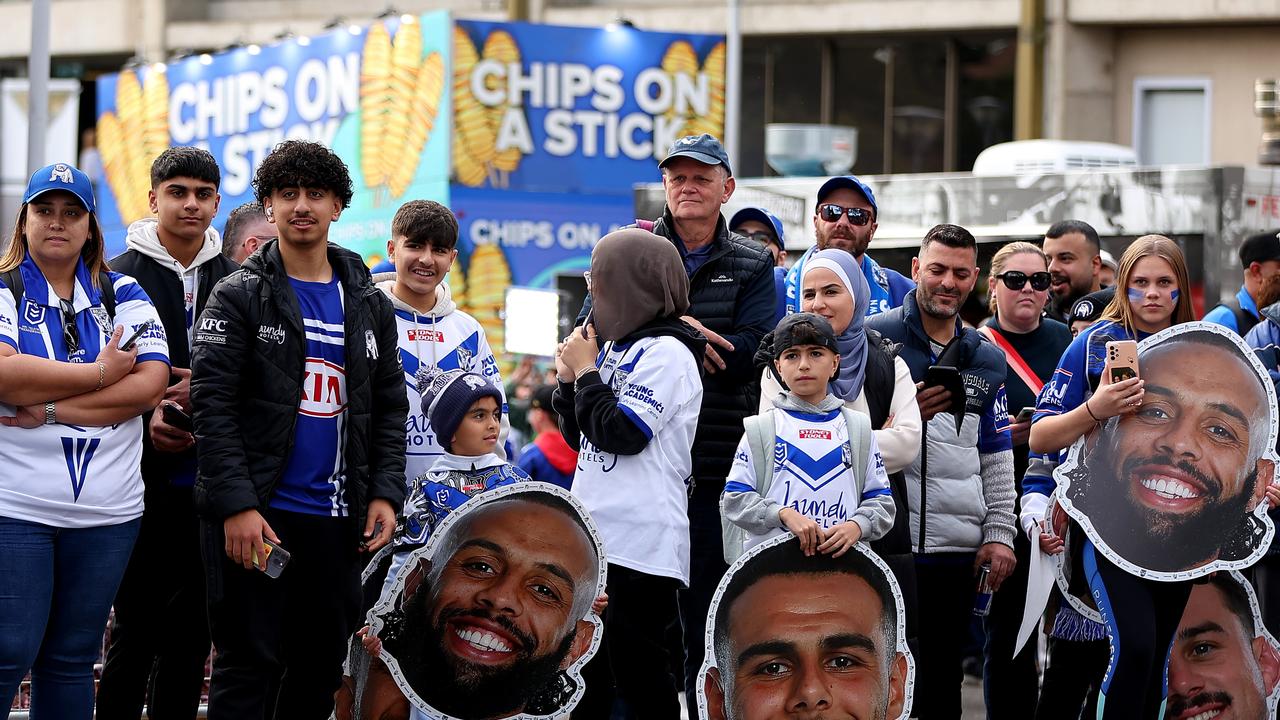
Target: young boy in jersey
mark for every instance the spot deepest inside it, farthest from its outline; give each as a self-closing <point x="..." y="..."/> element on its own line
<point x="160" y="618"/>
<point x="300" y="414"/>
<point x="817" y="491"/>
<point x="433" y="334"/>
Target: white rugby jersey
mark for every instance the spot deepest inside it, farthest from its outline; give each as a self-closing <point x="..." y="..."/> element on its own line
<point x="65" y="475"/>
<point x="447" y="339"/>
<point x="640" y="502"/>
<point x="812" y="470"/>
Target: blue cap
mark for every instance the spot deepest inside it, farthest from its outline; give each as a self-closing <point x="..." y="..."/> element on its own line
<point x="853" y="183"/>
<point x="60" y="176"/>
<point x="763" y="216"/>
<point x="704" y="148"/>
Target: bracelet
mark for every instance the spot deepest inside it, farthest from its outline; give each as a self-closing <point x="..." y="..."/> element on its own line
<point x="1090" y="411"/>
<point x="584" y="371"/>
<point x="102" y="375"/>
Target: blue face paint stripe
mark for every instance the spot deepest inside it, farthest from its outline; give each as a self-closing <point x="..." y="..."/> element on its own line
<point x="1136" y="295"/>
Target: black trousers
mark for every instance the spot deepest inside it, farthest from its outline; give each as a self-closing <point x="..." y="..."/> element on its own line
<point x="1009" y="683"/>
<point x="946" y="584"/>
<point x="633" y="665"/>
<point x="1072" y="679"/>
<point x="1141" y="616"/>
<point x="706" y="568"/>
<point x="281" y="641"/>
<point x="160" y="635"/>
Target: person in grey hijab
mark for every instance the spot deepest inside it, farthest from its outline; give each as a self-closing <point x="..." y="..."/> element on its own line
<point x="631" y="407"/>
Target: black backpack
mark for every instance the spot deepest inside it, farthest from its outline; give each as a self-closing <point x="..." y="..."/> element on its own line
<point x="12" y="279"/>
<point x="1244" y="319"/>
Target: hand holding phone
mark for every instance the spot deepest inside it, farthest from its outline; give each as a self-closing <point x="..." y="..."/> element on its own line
<point x="127" y="345"/>
<point x="275" y="557"/>
<point x="174" y="416"/>
<point x="1122" y="360"/>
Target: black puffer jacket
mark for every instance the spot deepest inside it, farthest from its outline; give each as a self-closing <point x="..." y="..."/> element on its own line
<point x="247" y="368"/>
<point x="732" y="294"/>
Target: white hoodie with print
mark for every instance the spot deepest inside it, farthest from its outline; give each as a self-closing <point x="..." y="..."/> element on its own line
<point x="445" y="338"/>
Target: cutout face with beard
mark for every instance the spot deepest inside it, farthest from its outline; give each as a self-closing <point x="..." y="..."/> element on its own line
<point x="489" y="633"/>
<point x="1170" y="484"/>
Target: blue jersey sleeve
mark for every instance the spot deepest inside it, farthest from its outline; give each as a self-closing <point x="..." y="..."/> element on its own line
<point x="993" y="429"/>
<point x="1068" y="387"/>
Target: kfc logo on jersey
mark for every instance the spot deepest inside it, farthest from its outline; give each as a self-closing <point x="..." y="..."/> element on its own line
<point x="814" y="434"/>
<point x="324" y="389"/>
<point x="424" y="335"/>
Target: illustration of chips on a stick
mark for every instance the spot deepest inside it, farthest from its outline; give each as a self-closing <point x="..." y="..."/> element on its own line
<point x="132" y="136"/>
<point x="488" y="278"/>
<point x="681" y="59"/>
<point x="476" y="156"/>
<point x="501" y="46"/>
<point x="400" y="95"/>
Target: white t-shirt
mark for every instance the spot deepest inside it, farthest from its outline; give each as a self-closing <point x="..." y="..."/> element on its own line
<point x="65" y="475"/>
<point x="812" y="470"/>
<point x="640" y="502"/>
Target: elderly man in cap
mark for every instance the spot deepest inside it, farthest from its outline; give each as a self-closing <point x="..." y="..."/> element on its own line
<point x="1260" y="258"/>
<point x="732" y="302"/>
<point x="846" y="219"/>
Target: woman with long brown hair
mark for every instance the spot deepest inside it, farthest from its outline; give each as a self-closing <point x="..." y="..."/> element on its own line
<point x="1141" y="615"/>
<point x="70" y="439"/>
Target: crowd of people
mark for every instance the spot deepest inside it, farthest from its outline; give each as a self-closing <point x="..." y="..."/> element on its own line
<point x="217" y="433"/>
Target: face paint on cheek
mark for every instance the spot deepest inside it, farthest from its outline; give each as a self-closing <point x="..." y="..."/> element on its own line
<point x="1136" y="295"/>
<point x="1174" y="294"/>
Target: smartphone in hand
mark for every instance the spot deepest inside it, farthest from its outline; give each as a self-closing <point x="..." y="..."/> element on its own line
<point x="173" y="415"/>
<point x="127" y="345"/>
<point x="1122" y="360"/>
<point x="275" y="557"/>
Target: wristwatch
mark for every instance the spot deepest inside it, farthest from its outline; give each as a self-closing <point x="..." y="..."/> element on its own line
<point x="50" y="415"/>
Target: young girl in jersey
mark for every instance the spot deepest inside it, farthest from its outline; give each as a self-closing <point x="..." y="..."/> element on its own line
<point x="70" y="440"/>
<point x="1151" y="295"/>
<point x="817" y="489"/>
<point x="631" y="407"/>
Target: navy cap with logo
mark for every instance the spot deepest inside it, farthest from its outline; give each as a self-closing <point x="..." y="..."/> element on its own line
<point x="704" y="148"/>
<point x="803" y="329"/>
<point x="60" y="176"/>
<point x="1260" y="248"/>
<point x="764" y="217"/>
<point x="1089" y="308"/>
<point x="852" y="183"/>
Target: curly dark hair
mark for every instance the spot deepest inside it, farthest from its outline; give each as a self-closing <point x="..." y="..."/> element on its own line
<point x="300" y="163"/>
<point x="426" y="222"/>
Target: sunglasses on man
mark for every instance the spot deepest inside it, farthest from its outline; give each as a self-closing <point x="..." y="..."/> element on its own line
<point x="831" y="212"/>
<point x="1016" y="280"/>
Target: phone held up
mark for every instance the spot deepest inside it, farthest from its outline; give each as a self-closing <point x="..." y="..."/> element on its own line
<point x="1122" y="360"/>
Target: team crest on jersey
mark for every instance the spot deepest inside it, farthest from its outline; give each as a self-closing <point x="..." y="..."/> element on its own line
<point x="324" y="389"/>
<point x="370" y="345"/>
<point x="33" y="312"/>
<point x="779" y="455"/>
<point x="62" y="173"/>
<point x="464" y="357"/>
<point x="101" y="317"/>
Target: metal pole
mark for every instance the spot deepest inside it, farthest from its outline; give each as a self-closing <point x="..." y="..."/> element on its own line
<point x="732" y="82"/>
<point x="38" y="85"/>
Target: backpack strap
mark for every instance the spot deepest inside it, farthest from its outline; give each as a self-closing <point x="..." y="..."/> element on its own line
<point x="859" y="442"/>
<point x="12" y="279"/>
<point x="1244" y="320"/>
<point x="761" y="436"/>
<point x="646" y="225"/>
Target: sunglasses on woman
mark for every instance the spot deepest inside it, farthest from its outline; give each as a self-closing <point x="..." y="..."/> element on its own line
<point x="70" y="334"/>
<point x="831" y="212"/>
<point x="1016" y="279"/>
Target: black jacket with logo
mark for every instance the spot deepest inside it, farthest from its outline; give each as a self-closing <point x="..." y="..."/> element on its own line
<point x="248" y="364"/>
<point x="731" y="294"/>
<point x="164" y="287"/>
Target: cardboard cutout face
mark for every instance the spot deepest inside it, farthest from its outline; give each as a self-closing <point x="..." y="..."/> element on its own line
<point x="1223" y="664"/>
<point x="1176" y="489"/>
<point x="492" y="618"/>
<point x="818" y="636"/>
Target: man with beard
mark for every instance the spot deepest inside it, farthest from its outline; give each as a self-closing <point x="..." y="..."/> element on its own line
<point x="1223" y="665"/>
<point x="807" y="636"/>
<point x="1075" y="264"/>
<point x="1190" y="460"/>
<point x="491" y="630"/>
<point x="1260" y="256"/>
<point x="845" y="219"/>
<point x="960" y="489"/>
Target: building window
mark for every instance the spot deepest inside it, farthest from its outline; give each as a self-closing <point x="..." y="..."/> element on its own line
<point x="1171" y="121"/>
